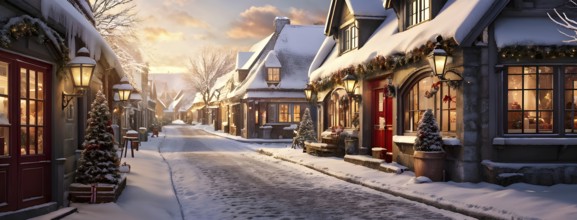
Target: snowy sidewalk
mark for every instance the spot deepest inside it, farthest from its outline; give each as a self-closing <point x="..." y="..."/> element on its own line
<point x="482" y="200"/>
<point x="148" y="193"/>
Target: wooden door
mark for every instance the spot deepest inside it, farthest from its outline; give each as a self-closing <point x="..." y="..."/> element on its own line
<point x="382" y="108"/>
<point x="25" y="161"/>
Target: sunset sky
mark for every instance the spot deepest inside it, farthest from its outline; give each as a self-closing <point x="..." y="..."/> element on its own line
<point x="172" y="30"/>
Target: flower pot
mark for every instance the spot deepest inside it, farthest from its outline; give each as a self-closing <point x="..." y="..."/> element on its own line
<point x="351" y="145"/>
<point x="430" y="164"/>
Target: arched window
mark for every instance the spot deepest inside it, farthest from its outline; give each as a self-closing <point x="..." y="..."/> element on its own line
<point x="443" y="104"/>
<point x="341" y="109"/>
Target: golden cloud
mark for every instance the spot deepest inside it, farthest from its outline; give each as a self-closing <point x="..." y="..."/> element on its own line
<point x="183" y="18"/>
<point x="155" y="34"/>
<point x="257" y="22"/>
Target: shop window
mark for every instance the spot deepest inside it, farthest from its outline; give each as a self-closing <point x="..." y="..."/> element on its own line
<point x="340" y="109"/>
<point x="418" y="11"/>
<point x="530" y="102"/>
<point x="443" y="104"/>
<point x="296" y="113"/>
<point x="283" y="114"/>
<point x="570" y="119"/>
<point x="348" y="38"/>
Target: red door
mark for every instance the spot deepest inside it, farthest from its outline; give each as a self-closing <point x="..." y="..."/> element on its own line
<point x="382" y="108"/>
<point x="25" y="160"/>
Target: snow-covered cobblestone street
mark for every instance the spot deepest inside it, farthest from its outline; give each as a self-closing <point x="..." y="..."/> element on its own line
<point x="217" y="178"/>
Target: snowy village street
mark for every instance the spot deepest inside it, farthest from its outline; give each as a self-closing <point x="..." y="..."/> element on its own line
<point x="218" y="178"/>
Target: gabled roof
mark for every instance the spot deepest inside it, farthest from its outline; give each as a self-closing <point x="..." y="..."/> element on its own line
<point x="242" y="58"/>
<point x="458" y="19"/>
<point x="360" y="9"/>
<point x="271" y="60"/>
<point x="256" y="50"/>
<point x="294" y="49"/>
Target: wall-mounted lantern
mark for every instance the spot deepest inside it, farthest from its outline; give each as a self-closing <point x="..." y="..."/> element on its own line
<point x="438" y="62"/>
<point x="81" y="69"/>
<point x="350" y="82"/>
<point x="309" y="92"/>
<point x="123" y="89"/>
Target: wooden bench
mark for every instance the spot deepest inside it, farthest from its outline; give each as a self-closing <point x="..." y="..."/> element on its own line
<point x="320" y="149"/>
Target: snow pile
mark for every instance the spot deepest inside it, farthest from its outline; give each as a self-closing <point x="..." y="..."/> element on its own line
<point x="178" y="122"/>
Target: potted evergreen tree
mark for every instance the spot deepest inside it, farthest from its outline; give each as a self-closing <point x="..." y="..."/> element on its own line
<point x="429" y="156"/>
<point x="98" y="163"/>
<point x="305" y="131"/>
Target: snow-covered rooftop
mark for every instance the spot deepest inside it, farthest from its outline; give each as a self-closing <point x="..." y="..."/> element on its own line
<point x="256" y="49"/>
<point x="242" y="58"/>
<point x="528" y="31"/>
<point x="295" y="48"/>
<point x="455" y="20"/>
<point x="78" y="26"/>
<point x="271" y="60"/>
<point x="373" y="8"/>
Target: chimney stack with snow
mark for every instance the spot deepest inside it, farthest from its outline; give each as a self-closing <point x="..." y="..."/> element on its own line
<point x="280" y="22"/>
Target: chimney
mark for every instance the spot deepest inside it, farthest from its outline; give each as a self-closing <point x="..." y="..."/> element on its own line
<point x="280" y="22"/>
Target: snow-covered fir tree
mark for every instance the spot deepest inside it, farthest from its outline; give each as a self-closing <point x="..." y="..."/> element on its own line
<point x="428" y="136"/>
<point x="306" y="130"/>
<point x="98" y="162"/>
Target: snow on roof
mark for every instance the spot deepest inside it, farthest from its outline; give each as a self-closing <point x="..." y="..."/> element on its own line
<point x="271" y="60"/>
<point x="528" y="31"/>
<point x="78" y="26"/>
<point x="295" y="49"/>
<point x="256" y="49"/>
<point x="372" y="8"/>
<point x="242" y="58"/>
<point x="159" y="101"/>
<point x="455" y="20"/>
<point x="135" y="96"/>
<point x="197" y="98"/>
<point x="174" y="103"/>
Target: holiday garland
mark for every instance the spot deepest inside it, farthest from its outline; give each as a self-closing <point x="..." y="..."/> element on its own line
<point x="26" y="26"/>
<point x="381" y="64"/>
<point x="518" y="52"/>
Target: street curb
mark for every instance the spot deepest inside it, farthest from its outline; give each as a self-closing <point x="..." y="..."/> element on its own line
<point x="448" y="207"/>
<point x="252" y="141"/>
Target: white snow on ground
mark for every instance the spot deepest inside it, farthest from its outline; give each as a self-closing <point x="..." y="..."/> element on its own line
<point x="149" y="192"/>
<point x="178" y="122"/>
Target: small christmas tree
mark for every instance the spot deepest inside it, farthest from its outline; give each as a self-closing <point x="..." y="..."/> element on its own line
<point x="428" y="137"/>
<point x="305" y="131"/>
<point x="98" y="162"/>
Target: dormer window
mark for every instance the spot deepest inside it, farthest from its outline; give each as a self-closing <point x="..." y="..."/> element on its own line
<point x="273" y="76"/>
<point x="418" y="11"/>
<point x="349" y="38"/>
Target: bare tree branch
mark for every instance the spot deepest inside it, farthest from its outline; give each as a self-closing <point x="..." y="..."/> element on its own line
<point x="206" y="66"/>
<point x="564" y="21"/>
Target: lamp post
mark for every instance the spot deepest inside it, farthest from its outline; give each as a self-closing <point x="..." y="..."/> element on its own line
<point x="81" y="69"/>
<point x="123" y="90"/>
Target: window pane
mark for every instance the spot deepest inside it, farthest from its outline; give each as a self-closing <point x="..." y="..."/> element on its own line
<point x="4" y="140"/>
<point x="33" y="114"/>
<point x="545" y="122"/>
<point x="530" y="81"/>
<point x="40" y="80"/>
<point x="32" y="140"/>
<point x="570" y="121"/>
<point x="32" y="82"/>
<point x="23" y="141"/>
<point x="4" y="67"/>
<point x="23" y="78"/>
<point x="545" y="100"/>
<point x="545" y="81"/>
<point x="40" y="112"/>
<point x="515" y="81"/>
<point x="515" y="70"/>
<point x="23" y="112"/>
<point x="297" y="113"/>
<point x="283" y="113"/>
<point x="40" y="140"/>
<point x="529" y="99"/>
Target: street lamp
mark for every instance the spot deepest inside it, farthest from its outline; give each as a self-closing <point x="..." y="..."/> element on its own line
<point x="123" y="89"/>
<point x="309" y="92"/>
<point x="350" y="81"/>
<point x="81" y="69"/>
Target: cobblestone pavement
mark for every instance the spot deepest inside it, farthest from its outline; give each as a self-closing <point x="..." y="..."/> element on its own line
<point x="217" y="178"/>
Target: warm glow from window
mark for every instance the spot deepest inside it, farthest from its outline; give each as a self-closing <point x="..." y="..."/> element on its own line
<point x="296" y="113"/>
<point x="419" y="11"/>
<point x="415" y="104"/>
<point x="273" y="75"/>
<point x="283" y="114"/>
<point x="349" y="38"/>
